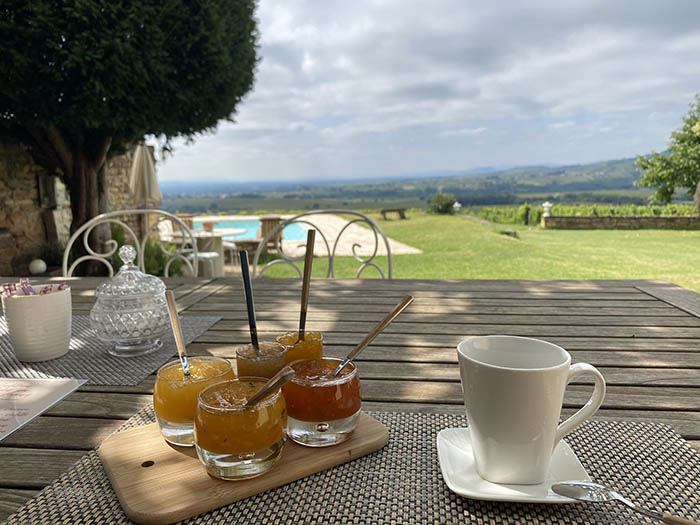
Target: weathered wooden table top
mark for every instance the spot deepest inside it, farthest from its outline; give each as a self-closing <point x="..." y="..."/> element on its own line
<point x="644" y="336"/>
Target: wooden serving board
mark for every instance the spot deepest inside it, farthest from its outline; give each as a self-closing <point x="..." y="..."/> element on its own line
<point x="161" y="483"/>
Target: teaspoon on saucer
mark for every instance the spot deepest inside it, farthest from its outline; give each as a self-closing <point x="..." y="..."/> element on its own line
<point x="593" y="492"/>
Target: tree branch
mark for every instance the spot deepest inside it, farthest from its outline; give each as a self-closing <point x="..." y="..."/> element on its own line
<point x="62" y="149"/>
<point x="101" y="150"/>
<point x="40" y="149"/>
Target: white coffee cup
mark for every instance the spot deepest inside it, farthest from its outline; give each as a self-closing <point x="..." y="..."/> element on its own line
<point x="513" y="392"/>
<point x="39" y="325"/>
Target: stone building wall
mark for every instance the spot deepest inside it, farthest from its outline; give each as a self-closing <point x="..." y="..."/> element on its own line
<point x="119" y="196"/>
<point x="621" y="223"/>
<point x="22" y="232"/>
<point x="35" y="207"/>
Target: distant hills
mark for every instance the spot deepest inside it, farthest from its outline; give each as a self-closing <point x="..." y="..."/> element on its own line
<point x="610" y="181"/>
<point x="612" y="174"/>
<point x="599" y="181"/>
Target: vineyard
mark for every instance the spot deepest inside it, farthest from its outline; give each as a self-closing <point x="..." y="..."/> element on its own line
<point x="530" y="214"/>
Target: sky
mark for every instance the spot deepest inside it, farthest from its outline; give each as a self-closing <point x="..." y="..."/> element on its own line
<point x="380" y="88"/>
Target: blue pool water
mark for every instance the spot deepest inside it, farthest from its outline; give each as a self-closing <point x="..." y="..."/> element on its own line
<point x="293" y="232"/>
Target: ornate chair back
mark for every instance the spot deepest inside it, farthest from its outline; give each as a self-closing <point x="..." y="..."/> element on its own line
<point x="374" y="234"/>
<point x="183" y="247"/>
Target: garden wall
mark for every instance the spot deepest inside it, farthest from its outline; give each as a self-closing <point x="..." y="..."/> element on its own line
<point x="621" y="223"/>
<point x="21" y="225"/>
<point x="35" y="207"/>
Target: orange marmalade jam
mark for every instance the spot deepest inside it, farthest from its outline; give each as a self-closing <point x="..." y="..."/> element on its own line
<point x="175" y="398"/>
<point x="223" y="425"/>
<point x="310" y="348"/>
<point x="266" y="363"/>
<point x="314" y="395"/>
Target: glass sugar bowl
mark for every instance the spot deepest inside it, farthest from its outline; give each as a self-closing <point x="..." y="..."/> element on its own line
<point x="131" y="311"/>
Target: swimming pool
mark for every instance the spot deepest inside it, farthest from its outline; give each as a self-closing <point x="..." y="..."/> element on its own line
<point x="293" y="232"/>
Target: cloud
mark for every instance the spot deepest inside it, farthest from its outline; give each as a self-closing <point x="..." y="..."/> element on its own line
<point x="379" y="88"/>
<point x="561" y="125"/>
<point x="463" y="131"/>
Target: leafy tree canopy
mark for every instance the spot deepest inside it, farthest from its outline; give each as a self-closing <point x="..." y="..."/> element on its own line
<point x="442" y="203"/>
<point x="679" y="166"/>
<point x="80" y="79"/>
<point x="131" y="68"/>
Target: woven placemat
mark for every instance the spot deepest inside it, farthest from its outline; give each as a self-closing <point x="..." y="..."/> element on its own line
<point x="89" y="359"/>
<point x="402" y="483"/>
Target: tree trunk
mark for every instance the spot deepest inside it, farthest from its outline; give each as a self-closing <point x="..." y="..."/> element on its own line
<point x="87" y="201"/>
<point x="79" y="155"/>
<point x="82" y="158"/>
<point x="696" y="198"/>
<point x="84" y="192"/>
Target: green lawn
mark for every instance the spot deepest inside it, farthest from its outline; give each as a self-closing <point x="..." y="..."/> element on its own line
<point x="458" y="248"/>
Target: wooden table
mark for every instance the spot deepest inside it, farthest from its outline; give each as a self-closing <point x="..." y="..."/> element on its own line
<point x="644" y="336"/>
<point x="211" y="241"/>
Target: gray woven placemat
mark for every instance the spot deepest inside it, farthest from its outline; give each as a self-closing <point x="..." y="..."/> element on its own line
<point x="88" y="357"/>
<point x="402" y="483"/>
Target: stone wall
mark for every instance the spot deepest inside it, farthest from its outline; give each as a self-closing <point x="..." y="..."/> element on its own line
<point x="119" y="196"/>
<point x="22" y="232"/>
<point x="621" y="223"/>
<point x="35" y="207"/>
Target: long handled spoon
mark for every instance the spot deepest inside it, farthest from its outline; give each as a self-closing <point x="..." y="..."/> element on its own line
<point x="308" y="262"/>
<point x="250" y="305"/>
<point x="374" y="333"/>
<point x="276" y="381"/>
<point x="588" y="491"/>
<point x="177" y="332"/>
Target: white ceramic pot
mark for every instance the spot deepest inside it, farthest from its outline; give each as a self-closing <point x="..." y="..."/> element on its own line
<point x="39" y="325"/>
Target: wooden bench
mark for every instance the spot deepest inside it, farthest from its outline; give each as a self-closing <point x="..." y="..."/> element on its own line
<point x="400" y="211"/>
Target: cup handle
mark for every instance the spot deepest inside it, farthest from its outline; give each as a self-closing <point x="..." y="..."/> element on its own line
<point x="593" y="404"/>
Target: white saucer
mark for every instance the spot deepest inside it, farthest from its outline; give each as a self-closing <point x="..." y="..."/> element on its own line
<point x="459" y="472"/>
